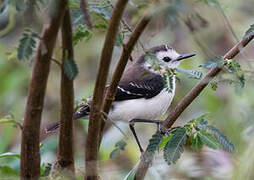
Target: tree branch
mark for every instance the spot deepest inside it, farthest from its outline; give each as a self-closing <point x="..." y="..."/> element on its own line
<point x="187" y="100"/>
<point x="30" y="150"/>
<point x="93" y="137"/>
<point x="127" y="49"/>
<point x="65" y="145"/>
<point x="86" y="15"/>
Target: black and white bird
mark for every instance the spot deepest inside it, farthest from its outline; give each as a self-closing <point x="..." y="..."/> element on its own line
<point x="142" y="95"/>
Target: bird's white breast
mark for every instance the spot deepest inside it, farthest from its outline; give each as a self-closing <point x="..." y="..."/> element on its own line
<point x="142" y="108"/>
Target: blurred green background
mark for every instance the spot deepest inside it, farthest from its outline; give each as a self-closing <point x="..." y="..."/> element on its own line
<point x="199" y="27"/>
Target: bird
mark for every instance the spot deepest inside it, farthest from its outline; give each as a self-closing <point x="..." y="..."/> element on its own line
<point x="145" y="90"/>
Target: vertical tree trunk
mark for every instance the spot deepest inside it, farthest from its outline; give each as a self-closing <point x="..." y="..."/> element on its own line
<point x="65" y="146"/>
<point x="93" y="137"/>
<point x="30" y="151"/>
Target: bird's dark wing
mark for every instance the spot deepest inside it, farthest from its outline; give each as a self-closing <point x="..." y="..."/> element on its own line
<point x="145" y="88"/>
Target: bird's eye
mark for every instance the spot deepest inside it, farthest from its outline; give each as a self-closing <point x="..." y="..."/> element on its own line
<point x="166" y="59"/>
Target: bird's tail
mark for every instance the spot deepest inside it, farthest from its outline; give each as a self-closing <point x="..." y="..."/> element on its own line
<point x="52" y="129"/>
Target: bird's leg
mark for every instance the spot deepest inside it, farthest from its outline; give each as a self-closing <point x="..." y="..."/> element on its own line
<point x="133" y="121"/>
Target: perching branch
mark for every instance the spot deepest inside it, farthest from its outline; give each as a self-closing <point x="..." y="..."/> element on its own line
<point x="30" y="150"/>
<point x="187" y="100"/>
<point x="93" y="137"/>
<point x="65" y="153"/>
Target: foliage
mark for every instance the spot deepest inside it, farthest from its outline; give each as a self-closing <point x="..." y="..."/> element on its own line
<point x="154" y="144"/>
<point x="9" y="155"/>
<point x="196" y="131"/>
<point x="10" y="119"/>
<point x="81" y="33"/>
<point x="27" y="45"/>
<point x="70" y="68"/>
<point x="174" y="147"/>
<point x="190" y="73"/>
<point x="119" y="146"/>
<point x="232" y="67"/>
<point x="216" y="61"/>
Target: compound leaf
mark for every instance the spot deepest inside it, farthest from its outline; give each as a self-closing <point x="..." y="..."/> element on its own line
<point x="190" y="73"/>
<point x="70" y="69"/>
<point x="208" y="140"/>
<point x="174" y="147"/>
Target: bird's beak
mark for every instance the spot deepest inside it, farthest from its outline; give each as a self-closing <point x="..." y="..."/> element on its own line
<point x="184" y="56"/>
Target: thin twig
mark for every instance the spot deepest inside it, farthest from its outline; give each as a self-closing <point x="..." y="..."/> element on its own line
<point x="187" y="100"/>
<point x="56" y="61"/>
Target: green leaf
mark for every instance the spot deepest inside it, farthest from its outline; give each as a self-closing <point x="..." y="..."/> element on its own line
<point x="8" y="173"/>
<point x="208" y="140"/>
<point x="213" y="62"/>
<point x="168" y="82"/>
<point x="121" y="144"/>
<point x="200" y="118"/>
<point x="101" y="8"/>
<point x="114" y="153"/>
<point x="6" y="120"/>
<point x="131" y="174"/>
<point x="214" y="85"/>
<point x="190" y="73"/>
<point x="81" y="33"/>
<point x="154" y="144"/>
<point x="235" y="68"/>
<point x="165" y="140"/>
<point x="10" y="155"/>
<point x="249" y="32"/>
<point x="70" y="69"/>
<point x="174" y="147"/>
<point x="45" y="169"/>
<point x="222" y="139"/>
<point x="196" y="142"/>
<point x="27" y="45"/>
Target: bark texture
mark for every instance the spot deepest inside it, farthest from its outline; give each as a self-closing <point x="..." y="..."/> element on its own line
<point x="65" y="145"/>
<point x="93" y="137"/>
<point x="30" y="150"/>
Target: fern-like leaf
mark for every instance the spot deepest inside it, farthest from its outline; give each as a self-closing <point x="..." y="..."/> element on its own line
<point x="70" y="69"/>
<point x="196" y="142"/>
<point x="154" y="144"/>
<point x="208" y="140"/>
<point x="174" y="147"/>
<point x="190" y="73"/>
<point x="222" y="139"/>
<point x="26" y="45"/>
<point x="213" y="62"/>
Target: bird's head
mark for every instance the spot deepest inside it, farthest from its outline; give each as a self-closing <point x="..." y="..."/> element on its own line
<point x="163" y="56"/>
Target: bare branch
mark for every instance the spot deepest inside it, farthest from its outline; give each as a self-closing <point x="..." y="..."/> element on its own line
<point x="187" y="100"/>
<point x="93" y="137"/>
<point x="30" y="150"/>
<point x="86" y="15"/>
<point x="65" y="146"/>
